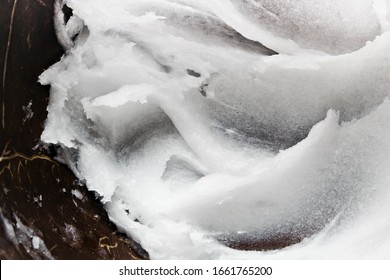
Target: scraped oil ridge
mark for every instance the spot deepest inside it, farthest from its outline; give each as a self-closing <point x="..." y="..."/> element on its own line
<point x="209" y="124"/>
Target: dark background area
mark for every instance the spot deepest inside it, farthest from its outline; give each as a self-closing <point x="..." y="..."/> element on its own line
<point x="36" y="196"/>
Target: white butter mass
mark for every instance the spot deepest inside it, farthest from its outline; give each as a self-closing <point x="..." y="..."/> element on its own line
<point x="206" y="123"/>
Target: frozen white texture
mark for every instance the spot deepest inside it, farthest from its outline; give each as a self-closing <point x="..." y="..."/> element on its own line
<point x="175" y="113"/>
